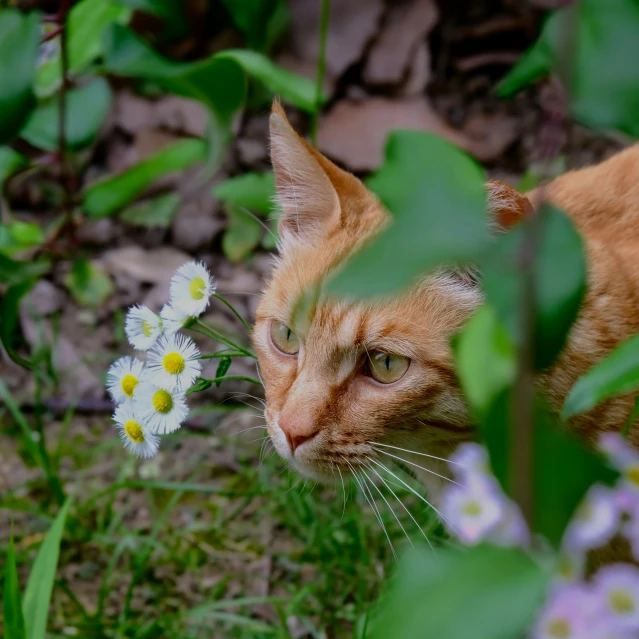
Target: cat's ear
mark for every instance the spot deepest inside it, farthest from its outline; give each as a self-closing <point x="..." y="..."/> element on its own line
<point x="312" y="192"/>
<point x="506" y="205"/>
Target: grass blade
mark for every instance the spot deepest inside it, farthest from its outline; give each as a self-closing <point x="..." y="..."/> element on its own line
<point x="12" y="608"/>
<point x="37" y="595"/>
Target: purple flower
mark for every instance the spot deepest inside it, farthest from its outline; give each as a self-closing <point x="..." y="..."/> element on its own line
<point x="468" y="459"/>
<point x="617" y="588"/>
<point x="569" y="569"/>
<point x="566" y="615"/>
<point x="595" y="521"/>
<point x="618" y="451"/>
<point x="472" y="510"/>
<point x="512" y="529"/>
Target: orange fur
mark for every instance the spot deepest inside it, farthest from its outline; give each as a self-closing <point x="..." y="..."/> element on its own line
<point x="321" y="396"/>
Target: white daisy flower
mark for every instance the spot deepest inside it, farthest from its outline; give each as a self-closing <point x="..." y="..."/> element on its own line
<point x="595" y="521"/>
<point x="134" y="433"/>
<point x="123" y="378"/>
<point x="617" y="587"/>
<point x="173" y="362"/>
<point x="191" y="288"/>
<point x="162" y="410"/>
<point x="142" y="327"/>
<point x="173" y="320"/>
<point x="472" y="511"/>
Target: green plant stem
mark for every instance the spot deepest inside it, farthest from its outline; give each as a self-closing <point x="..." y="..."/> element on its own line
<point x="321" y="67"/>
<point x="247" y="326"/>
<point x="213" y="334"/>
<point x="221" y="354"/>
<point x="631" y="419"/>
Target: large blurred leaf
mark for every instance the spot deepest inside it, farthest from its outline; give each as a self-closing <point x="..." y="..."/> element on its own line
<point x="11" y="604"/>
<point x="253" y="191"/>
<point x="484" y="358"/>
<point x="171" y="12"/>
<point x="86" y="109"/>
<point x="600" y="72"/>
<point x="242" y="235"/>
<point x="618" y="374"/>
<point x="108" y="196"/>
<point x="470" y="593"/>
<point x="10" y="162"/>
<point x="157" y="212"/>
<point x="37" y="595"/>
<point x="560" y="281"/>
<point x="19" y="43"/>
<point x="563" y="469"/>
<point x="252" y="18"/>
<point x="436" y="194"/>
<point x="86" y="24"/>
<point x="16" y="236"/>
<point x="14" y="272"/>
<point x="88" y="283"/>
<point x="218" y="81"/>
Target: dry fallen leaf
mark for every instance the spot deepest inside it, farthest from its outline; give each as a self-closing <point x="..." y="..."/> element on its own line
<point x="154" y="266"/>
<point x="182" y="115"/>
<point x="408" y="23"/>
<point x="352" y="24"/>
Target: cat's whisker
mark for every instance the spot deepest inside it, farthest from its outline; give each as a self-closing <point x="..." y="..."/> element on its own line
<point x="401" y="503"/>
<point x="246" y="430"/>
<point x="267" y="440"/>
<point x="295" y="484"/>
<point x="412" y="490"/>
<point x="381" y="494"/>
<point x="405" y="461"/>
<point x="257" y="219"/>
<point x="414" y="452"/>
<point x="343" y="490"/>
<point x="236" y="397"/>
<point x="259" y="439"/>
<point x="371" y="503"/>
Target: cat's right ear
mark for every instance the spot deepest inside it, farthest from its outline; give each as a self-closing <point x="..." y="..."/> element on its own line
<point x="306" y="197"/>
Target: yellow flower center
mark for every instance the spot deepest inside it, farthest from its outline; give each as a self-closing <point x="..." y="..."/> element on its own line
<point x="633" y="475"/>
<point x="559" y="629"/>
<point x="173" y="363"/>
<point x="196" y="288"/>
<point x="472" y="508"/>
<point x="565" y="568"/>
<point x="134" y="431"/>
<point x="621" y="602"/>
<point x="147" y="329"/>
<point x="129" y="382"/>
<point x="162" y="401"/>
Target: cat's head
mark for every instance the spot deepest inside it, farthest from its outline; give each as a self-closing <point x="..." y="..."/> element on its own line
<point x="346" y="379"/>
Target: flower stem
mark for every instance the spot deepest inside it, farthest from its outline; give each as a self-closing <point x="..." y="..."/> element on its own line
<point x="225" y="378"/>
<point x="229" y="305"/>
<point x="213" y="334"/>
<point x="220" y="354"/>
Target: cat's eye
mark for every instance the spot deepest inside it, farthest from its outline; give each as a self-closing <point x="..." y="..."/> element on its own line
<point x="284" y="338"/>
<point x="386" y="368"/>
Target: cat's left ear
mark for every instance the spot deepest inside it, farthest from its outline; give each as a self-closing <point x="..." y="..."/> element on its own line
<point x="507" y="205"/>
<point x="313" y="194"/>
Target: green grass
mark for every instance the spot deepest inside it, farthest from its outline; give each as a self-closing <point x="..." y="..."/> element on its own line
<point x="203" y="541"/>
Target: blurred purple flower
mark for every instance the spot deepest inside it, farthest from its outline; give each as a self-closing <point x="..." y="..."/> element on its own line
<point x="617" y="588"/>
<point x="595" y="522"/>
<point x="512" y="530"/>
<point x="468" y="459"/>
<point x="566" y="615"/>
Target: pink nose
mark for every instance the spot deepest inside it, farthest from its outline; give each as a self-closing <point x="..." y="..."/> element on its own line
<point x="297" y="429"/>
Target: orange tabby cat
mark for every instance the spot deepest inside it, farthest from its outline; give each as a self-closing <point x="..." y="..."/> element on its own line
<point x="346" y="380"/>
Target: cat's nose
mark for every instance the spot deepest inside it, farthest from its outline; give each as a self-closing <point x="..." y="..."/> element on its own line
<point x="297" y="429"/>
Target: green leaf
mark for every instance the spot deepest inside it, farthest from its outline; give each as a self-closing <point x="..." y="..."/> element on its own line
<point x="89" y="284"/>
<point x="86" y="24"/>
<point x="201" y="384"/>
<point x="157" y="212"/>
<point x="253" y="191"/>
<point x="10" y="162"/>
<point x="108" y="196"/>
<point x="560" y="281"/>
<point x="16" y="236"/>
<point x="11" y="604"/>
<point x="483" y="345"/>
<point x="9" y="308"/>
<point x="242" y="234"/>
<point x="217" y="81"/>
<point x="436" y="194"/>
<point x="252" y="18"/>
<point x="470" y="593"/>
<point x="15" y="272"/>
<point x="222" y="367"/>
<point x="19" y="44"/>
<point x="591" y="45"/>
<point x="617" y="374"/>
<point x="37" y="595"/>
<point x="86" y="110"/>
<point x="171" y="12"/>
<point x="563" y="469"/>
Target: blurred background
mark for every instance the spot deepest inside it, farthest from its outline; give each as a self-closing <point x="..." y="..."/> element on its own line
<point x="214" y="537"/>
